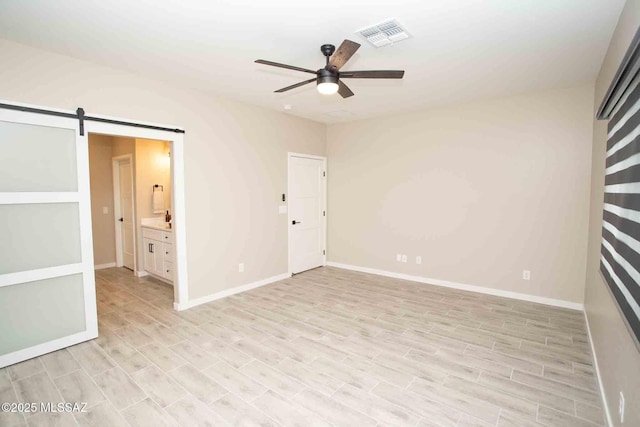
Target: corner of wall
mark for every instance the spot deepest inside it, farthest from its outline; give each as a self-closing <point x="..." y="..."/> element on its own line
<point x="615" y="354"/>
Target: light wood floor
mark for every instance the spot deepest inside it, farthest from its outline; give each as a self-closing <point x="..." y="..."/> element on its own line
<point x="326" y="347"/>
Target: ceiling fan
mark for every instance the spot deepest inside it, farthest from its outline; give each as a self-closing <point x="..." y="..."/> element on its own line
<point x="329" y="78"/>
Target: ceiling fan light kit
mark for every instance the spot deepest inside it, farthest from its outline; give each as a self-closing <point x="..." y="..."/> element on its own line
<point x="327" y="88"/>
<point x="328" y="79"/>
<point x="327" y="82"/>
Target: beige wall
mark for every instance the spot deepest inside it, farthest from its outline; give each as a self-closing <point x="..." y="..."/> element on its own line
<point x="617" y="355"/>
<point x="481" y="191"/>
<point x="104" y="246"/>
<point x="235" y="156"/>
<point x="123" y="146"/>
<point x="152" y="167"/>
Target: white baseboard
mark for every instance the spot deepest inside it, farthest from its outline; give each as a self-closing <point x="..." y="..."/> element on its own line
<point x="462" y="286"/>
<point x="141" y="273"/>
<point x="159" y="278"/>
<point x="229" y="292"/>
<point x="595" y="364"/>
<point x="103" y="266"/>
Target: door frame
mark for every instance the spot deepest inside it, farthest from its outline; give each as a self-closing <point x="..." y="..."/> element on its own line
<point x="176" y="140"/>
<point x="85" y="267"/>
<point x="324" y="203"/>
<point x="117" y="209"/>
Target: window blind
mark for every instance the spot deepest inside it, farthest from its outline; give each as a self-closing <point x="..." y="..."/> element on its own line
<point x="620" y="251"/>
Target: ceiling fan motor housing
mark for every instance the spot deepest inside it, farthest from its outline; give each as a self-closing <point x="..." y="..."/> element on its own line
<point x="327" y="76"/>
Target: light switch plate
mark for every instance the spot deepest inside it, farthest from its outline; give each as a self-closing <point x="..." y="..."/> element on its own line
<point x="105" y="210"/>
<point x="282" y="209"/>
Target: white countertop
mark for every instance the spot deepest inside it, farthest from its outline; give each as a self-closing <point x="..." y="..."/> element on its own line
<point x="163" y="226"/>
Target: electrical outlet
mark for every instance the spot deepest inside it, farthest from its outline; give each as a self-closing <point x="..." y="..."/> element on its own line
<point x="526" y="275"/>
<point x="418" y="259"/>
<point x="398" y="257"/>
<point x="241" y="267"/>
<point x="404" y="258"/>
<point x="621" y="408"/>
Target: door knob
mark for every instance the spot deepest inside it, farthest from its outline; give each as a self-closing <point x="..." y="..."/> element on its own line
<point x="294" y="222"/>
<point x="121" y="219"/>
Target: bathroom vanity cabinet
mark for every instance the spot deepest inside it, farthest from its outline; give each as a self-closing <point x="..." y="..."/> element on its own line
<point x="158" y="251"/>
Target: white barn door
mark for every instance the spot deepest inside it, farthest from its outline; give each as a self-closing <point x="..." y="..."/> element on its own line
<point x="47" y="283"/>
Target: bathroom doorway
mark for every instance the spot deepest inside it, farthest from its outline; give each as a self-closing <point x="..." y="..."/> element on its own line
<point x="131" y="218"/>
<point x="137" y="184"/>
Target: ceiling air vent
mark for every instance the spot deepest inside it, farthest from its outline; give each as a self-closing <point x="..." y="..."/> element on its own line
<point x="384" y="33"/>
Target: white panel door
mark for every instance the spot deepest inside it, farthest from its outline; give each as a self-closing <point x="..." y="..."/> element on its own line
<point x="306" y="212"/>
<point x="126" y="221"/>
<point x="47" y="284"/>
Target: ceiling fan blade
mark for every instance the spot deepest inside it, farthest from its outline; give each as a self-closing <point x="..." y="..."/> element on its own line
<point x="284" y="89"/>
<point x="373" y="74"/>
<point x="288" y="67"/>
<point x="342" y="55"/>
<point x="344" y="90"/>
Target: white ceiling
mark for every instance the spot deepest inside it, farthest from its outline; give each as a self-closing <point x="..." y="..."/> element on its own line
<point x="460" y="49"/>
